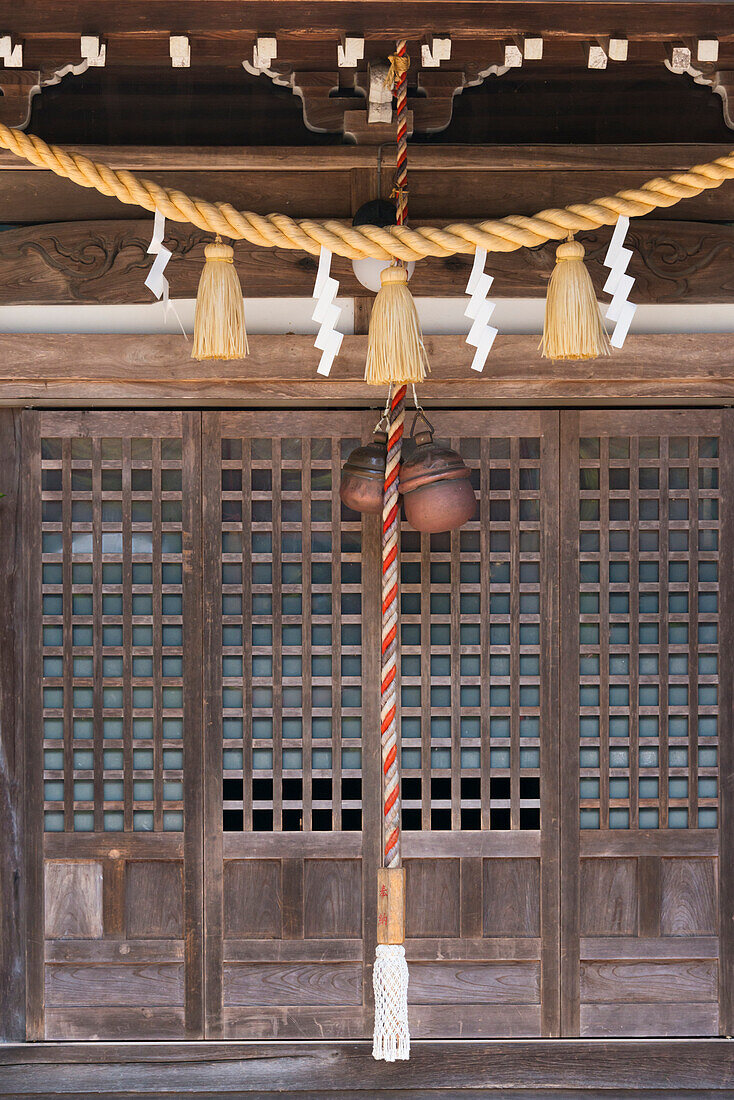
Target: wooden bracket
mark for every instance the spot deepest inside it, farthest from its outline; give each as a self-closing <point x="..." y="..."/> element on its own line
<point x="391" y="905"/>
<point x="17" y="88"/>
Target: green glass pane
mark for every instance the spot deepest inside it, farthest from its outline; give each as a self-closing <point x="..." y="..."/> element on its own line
<point x="262" y="728"/>
<point x="707" y="757"/>
<point x="618" y="725"/>
<point x="499" y="696"/>
<point x="707" y="725"/>
<point x="440" y="728"/>
<point x="172" y="759"/>
<point x="53" y="729"/>
<point x="53" y="760"/>
<point x="440" y="758"/>
<point x="292" y="728"/>
<point x="111" y="759"/>
<point x="648" y="787"/>
<point x="618" y="758"/>
<point x="499" y="727"/>
<point x="530" y="758"/>
<point x="678" y="758"/>
<point x="470" y="726"/>
<point x="292" y="759"/>
<point x="143" y="790"/>
<point x="470" y="696"/>
<point x="619" y="819"/>
<point x="112" y="728"/>
<point x="589" y="819"/>
<point x="588" y="758"/>
<point x="113" y="790"/>
<point x="648" y="725"/>
<point x="172" y="698"/>
<point x="112" y="698"/>
<point x="232" y="759"/>
<point x="114" y="821"/>
<point x="172" y="790"/>
<point x="648" y="695"/>
<point x="707" y="818"/>
<point x="499" y="758"/>
<point x="53" y="790"/>
<point x="172" y="821"/>
<point x="499" y="634"/>
<point x="143" y="759"/>
<point x="619" y="787"/>
<point x="648" y="757"/>
<point x="707" y="786"/>
<point x="53" y="822"/>
<point x="588" y="725"/>
<point x="648" y="818"/>
<point x="142" y="821"/>
<point x="648" y="633"/>
<point x="588" y="787"/>
<point x="588" y="695"/>
<point x="83" y="822"/>
<point x="677" y="818"/>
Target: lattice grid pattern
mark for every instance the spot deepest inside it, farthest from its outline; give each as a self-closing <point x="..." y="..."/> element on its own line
<point x="112" y="634"/>
<point x="648" y="664"/>
<point x="291" y="637"/>
<point x="471" y="652"/>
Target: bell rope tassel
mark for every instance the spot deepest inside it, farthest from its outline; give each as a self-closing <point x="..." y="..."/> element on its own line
<point x="573" y="327"/>
<point x="395" y="350"/>
<point x="391" y="1040"/>
<point x="219" y="321"/>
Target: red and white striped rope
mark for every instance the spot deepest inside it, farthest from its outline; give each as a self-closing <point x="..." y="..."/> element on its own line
<point x="390" y="647"/>
<point x="401" y="176"/>
<point x="391" y="537"/>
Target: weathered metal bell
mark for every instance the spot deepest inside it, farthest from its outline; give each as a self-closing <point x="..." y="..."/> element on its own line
<point x="435" y="483"/>
<point x="363" y="476"/>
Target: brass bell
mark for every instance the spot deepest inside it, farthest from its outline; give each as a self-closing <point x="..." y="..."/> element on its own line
<point x="363" y="475"/>
<point x="435" y="483"/>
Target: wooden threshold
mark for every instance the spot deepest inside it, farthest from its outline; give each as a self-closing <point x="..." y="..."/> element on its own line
<point x="114" y="370"/>
<point x="629" y="1067"/>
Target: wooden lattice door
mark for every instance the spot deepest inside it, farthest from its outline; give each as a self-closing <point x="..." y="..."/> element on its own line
<point x="293" y="776"/>
<point x="646" y="628"/>
<point x="112" y="710"/>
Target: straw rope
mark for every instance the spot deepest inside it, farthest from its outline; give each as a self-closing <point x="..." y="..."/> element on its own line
<point x="357" y="242"/>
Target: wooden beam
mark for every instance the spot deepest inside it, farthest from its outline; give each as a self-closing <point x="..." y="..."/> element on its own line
<point x="447" y="182"/>
<point x="412" y="18"/>
<point x="332" y="1069"/>
<point x="107" y="262"/>
<point x="145" y="370"/>
<point x="12" y="921"/>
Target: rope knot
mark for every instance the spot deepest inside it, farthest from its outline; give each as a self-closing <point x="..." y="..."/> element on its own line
<point x="399" y="65"/>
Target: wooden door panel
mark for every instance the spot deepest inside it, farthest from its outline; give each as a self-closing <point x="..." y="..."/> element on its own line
<point x="292" y="778"/>
<point x="293" y="811"/>
<point x="645" y="716"/>
<point x="479" y="748"/>
<point x="113" y="669"/>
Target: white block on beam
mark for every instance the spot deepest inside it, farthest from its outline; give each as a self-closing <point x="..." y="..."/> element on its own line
<point x="434" y="50"/>
<point x="93" y="52"/>
<point x="679" y="57"/>
<point x="617" y="48"/>
<point x="513" y="55"/>
<point x="180" y="51"/>
<point x="264" y="51"/>
<point x="596" y="56"/>
<point x="532" y="47"/>
<point x="707" y="49"/>
<point x="11" y="55"/>
<point x="349" y="51"/>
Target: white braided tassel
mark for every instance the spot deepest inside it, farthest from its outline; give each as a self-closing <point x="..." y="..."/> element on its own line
<point x="391" y="1040"/>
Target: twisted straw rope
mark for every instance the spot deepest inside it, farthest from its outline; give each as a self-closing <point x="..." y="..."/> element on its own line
<point x="389" y="683"/>
<point x="357" y="242"/>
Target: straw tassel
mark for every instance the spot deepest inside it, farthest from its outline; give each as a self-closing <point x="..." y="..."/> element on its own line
<point x="395" y="350"/>
<point x="219" y="321"/>
<point x="573" y="327"/>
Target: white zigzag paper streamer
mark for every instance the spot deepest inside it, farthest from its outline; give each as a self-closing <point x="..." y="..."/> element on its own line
<point x="481" y="335"/>
<point x="619" y="284"/>
<point x="325" y="290"/>
<point x="157" y="281"/>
